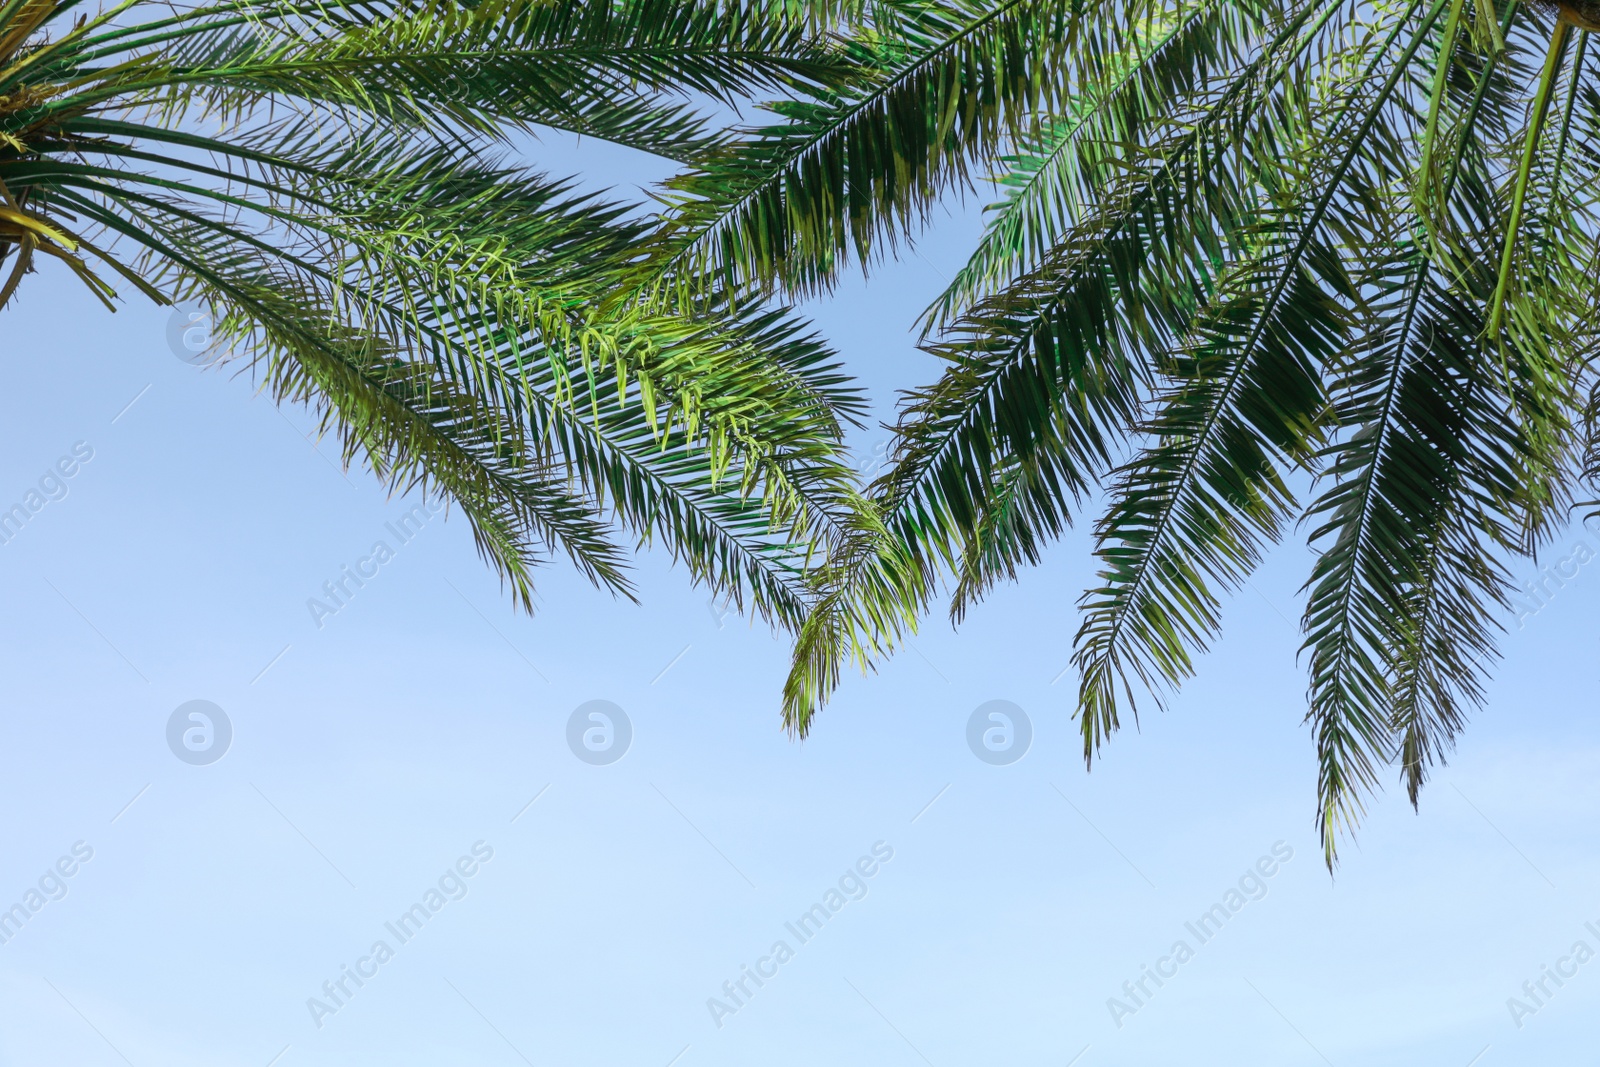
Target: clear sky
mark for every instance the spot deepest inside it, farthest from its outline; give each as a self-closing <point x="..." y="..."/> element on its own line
<point x="413" y="750"/>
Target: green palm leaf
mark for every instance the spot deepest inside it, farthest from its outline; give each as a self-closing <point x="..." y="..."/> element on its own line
<point x="450" y="316"/>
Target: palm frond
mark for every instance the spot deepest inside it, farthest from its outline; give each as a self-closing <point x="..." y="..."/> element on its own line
<point x="845" y="171"/>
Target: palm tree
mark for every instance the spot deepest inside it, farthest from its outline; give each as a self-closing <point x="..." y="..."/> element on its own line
<point x="1257" y="266"/>
<point x="333" y="179"/>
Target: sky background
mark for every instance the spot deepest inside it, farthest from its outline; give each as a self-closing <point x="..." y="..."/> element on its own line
<point x="370" y="754"/>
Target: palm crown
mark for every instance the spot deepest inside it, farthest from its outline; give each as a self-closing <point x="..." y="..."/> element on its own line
<point x="331" y="178"/>
<point x="1258" y="266"/>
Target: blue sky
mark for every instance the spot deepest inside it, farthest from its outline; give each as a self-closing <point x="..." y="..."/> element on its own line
<point x="371" y="754"/>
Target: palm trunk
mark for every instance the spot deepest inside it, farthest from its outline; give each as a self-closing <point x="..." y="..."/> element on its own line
<point x="1584" y="14"/>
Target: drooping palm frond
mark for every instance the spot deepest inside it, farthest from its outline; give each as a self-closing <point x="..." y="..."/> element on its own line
<point x="1243" y="247"/>
<point x="1240" y="408"/>
<point x="329" y="179"/>
<point x="1048" y="374"/>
